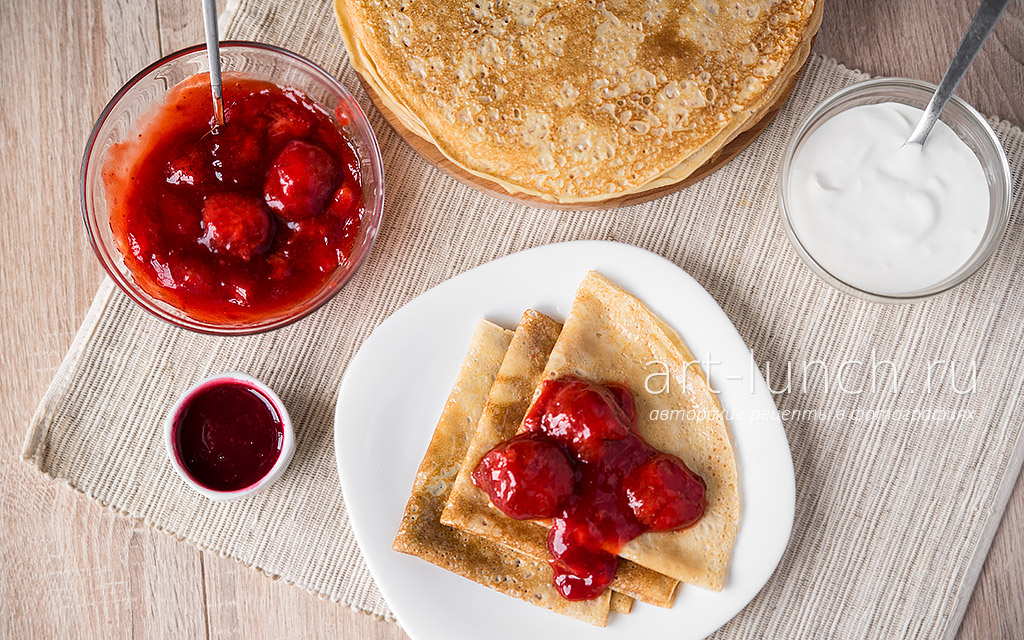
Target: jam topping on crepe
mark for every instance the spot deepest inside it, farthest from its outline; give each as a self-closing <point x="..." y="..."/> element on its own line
<point x="579" y="463"/>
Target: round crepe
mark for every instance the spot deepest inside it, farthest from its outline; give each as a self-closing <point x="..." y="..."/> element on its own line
<point x="577" y="102"/>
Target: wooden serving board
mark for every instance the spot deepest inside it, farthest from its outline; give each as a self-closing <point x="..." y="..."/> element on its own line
<point x="431" y="154"/>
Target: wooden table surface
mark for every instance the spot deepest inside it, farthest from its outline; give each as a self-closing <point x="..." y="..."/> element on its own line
<point x="70" y="569"/>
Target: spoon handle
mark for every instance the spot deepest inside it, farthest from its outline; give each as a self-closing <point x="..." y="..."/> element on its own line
<point x="213" y="50"/>
<point x="977" y="33"/>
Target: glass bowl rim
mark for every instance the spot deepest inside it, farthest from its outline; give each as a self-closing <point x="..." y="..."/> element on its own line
<point x="375" y="214"/>
<point x="999" y="217"/>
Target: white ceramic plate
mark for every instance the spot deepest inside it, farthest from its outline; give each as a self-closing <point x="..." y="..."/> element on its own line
<point x="394" y="390"/>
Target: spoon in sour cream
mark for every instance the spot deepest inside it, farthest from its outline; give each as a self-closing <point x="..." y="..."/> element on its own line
<point x="977" y="33"/>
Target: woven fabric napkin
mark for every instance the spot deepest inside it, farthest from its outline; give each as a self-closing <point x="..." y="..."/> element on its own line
<point x="899" y="490"/>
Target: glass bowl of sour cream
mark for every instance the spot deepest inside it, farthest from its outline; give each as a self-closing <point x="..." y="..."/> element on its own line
<point x="886" y="221"/>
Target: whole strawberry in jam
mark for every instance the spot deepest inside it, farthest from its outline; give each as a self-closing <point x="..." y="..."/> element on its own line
<point x="236" y="225"/>
<point x="664" y="494"/>
<point x="625" y="400"/>
<point x="322" y="243"/>
<point x="182" y="277"/>
<point x="237" y="156"/>
<point x="526" y="477"/>
<point x="193" y="167"/>
<point x="580" y="414"/>
<point x="300" y="180"/>
<point x="287" y="122"/>
<point x="345" y="202"/>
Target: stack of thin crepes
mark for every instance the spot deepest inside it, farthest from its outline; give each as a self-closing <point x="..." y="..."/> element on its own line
<point x="609" y="337"/>
<point x="582" y="101"/>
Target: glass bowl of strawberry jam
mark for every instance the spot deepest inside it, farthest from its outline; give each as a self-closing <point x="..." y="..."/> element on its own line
<point x="240" y="228"/>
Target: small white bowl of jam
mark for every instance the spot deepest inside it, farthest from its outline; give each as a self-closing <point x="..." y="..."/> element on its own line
<point x="229" y="436"/>
<point x="886" y="221"/>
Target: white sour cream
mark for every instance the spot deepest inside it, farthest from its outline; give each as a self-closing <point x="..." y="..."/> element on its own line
<point x="881" y="216"/>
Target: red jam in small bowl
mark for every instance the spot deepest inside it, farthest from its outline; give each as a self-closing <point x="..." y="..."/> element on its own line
<point x="229" y="434"/>
<point x="241" y="222"/>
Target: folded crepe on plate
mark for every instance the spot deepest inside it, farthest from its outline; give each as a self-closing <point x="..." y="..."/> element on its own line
<point x="582" y="101"/>
<point x="509" y="399"/>
<point x="488" y="563"/>
<point x="611" y="337"/>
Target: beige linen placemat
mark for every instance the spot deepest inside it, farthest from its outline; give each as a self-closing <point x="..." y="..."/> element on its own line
<point x="894" y="513"/>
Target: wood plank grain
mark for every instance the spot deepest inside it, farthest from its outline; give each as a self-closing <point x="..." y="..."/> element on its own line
<point x="69" y="568"/>
<point x="72" y="569"/>
<point x="245" y="605"/>
<point x="181" y="24"/>
<point x="917" y="39"/>
<point x="997" y="605"/>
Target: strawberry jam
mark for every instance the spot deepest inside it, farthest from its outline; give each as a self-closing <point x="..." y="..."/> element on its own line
<point x="228" y="436"/>
<point x="237" y="223"/>
<point x="579" y="463"/>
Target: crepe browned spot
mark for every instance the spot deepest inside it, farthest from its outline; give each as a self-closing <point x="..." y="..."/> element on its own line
<point x="421" y="532"/>
<point x="620" y="603"/>
<point x="578" y="102"/>
<point x="469" y="508"/>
